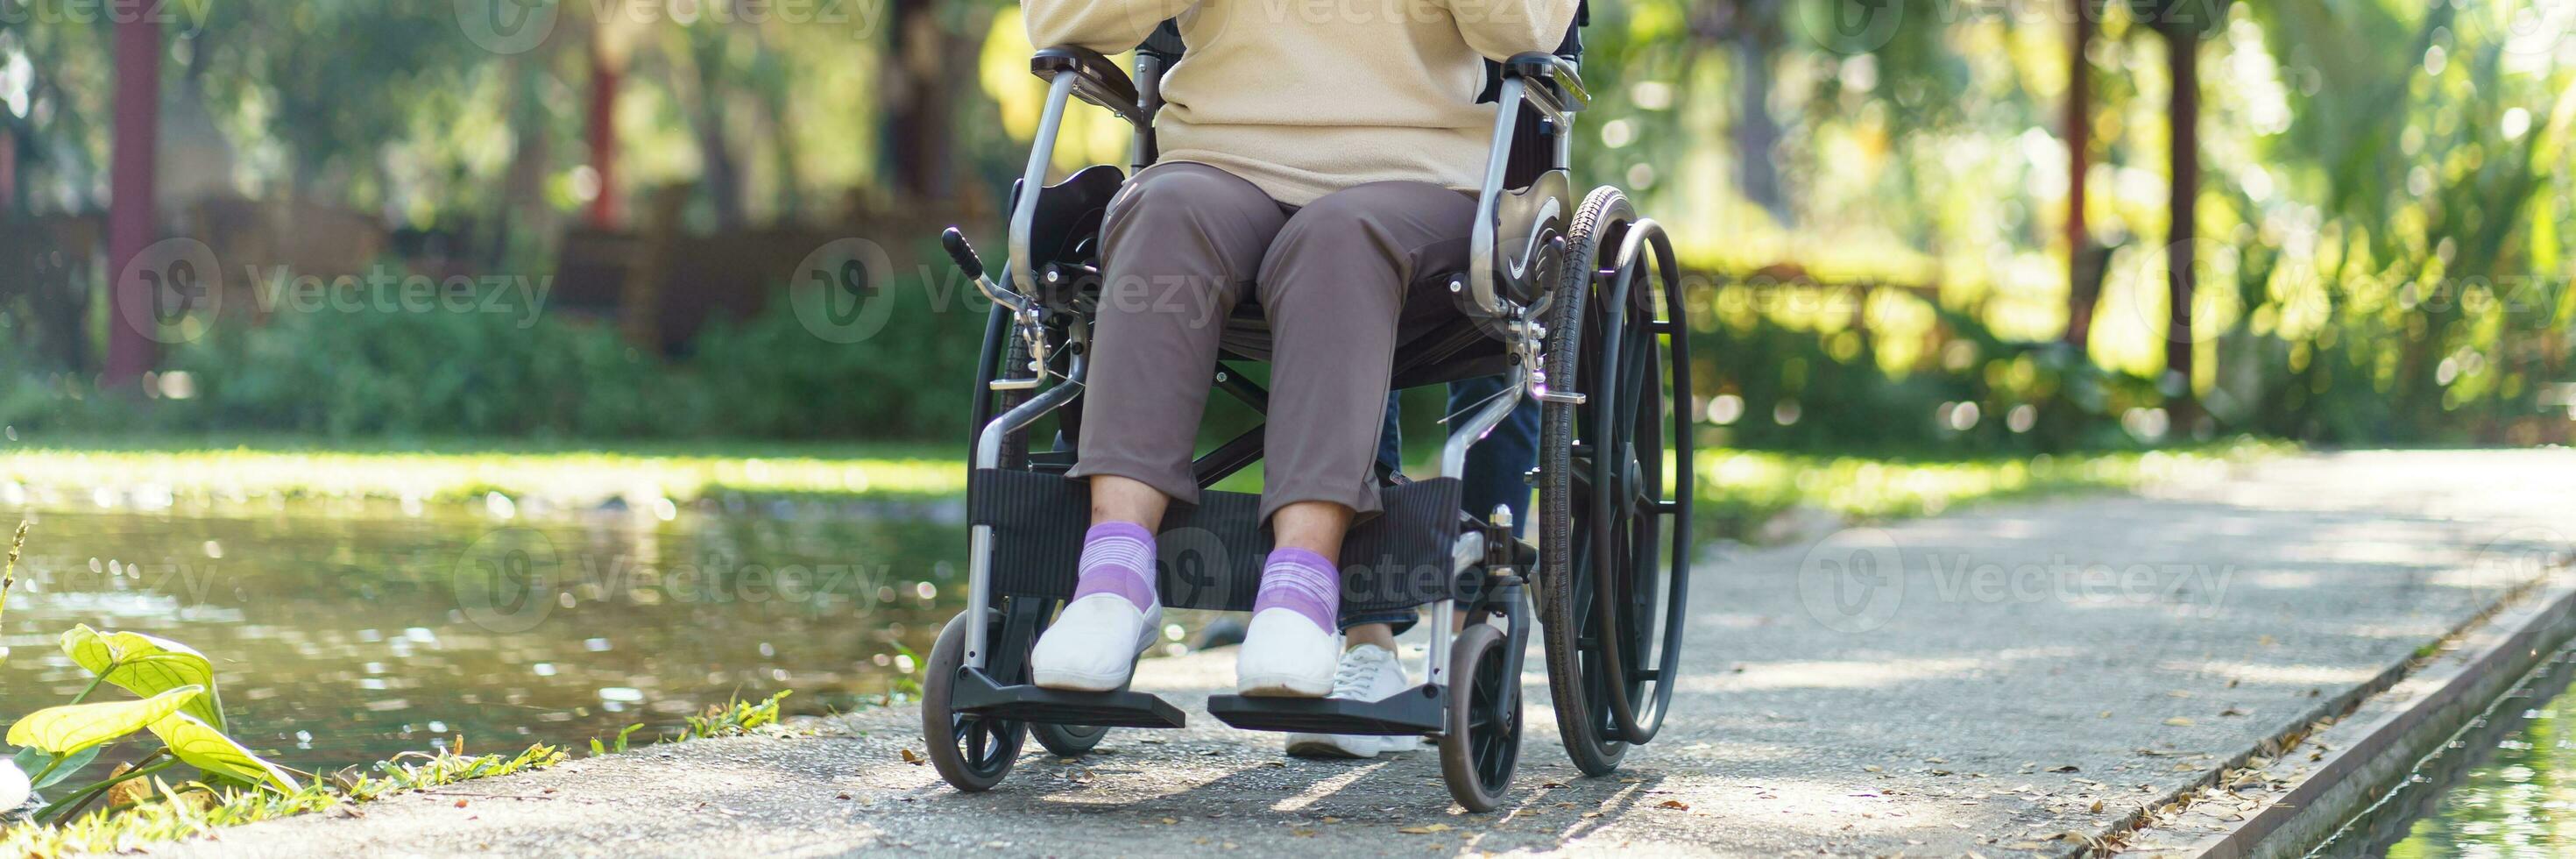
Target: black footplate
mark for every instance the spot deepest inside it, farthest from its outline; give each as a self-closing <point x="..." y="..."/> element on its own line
<point x="976" y="693"/>
<point x="1411" y="712"/>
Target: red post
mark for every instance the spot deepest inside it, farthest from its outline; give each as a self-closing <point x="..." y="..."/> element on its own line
<point x="131" y="351"/>
<point x="603" y="136"/>
<point x="2080" y="283"/>
<point x="8" y="173"/>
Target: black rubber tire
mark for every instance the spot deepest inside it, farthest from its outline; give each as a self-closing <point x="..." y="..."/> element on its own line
<point x="1002" y="348"/>
<point x="1574" y="680"/>
<point x="1068" y="741"/>
<point x="972" y="754"/>
<point x="1482" y="745"/>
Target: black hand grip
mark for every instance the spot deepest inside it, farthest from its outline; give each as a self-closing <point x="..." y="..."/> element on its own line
<point x="962" y="252"/>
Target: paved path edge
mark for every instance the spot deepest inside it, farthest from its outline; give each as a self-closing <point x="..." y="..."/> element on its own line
<point x="2384" y="728"/>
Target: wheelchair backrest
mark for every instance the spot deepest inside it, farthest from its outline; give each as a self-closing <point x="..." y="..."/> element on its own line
<point x="1533" y="144"/>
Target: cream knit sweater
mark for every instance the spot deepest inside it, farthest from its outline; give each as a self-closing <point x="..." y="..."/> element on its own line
<point x="1307" y="97"/>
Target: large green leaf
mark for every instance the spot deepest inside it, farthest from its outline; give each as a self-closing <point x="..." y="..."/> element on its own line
<point x="70" y="728"/>
<point x="206" y="748"/>
<point x="147" y="665"/>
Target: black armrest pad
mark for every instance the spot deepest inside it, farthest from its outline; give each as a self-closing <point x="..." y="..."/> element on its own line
<point x="1088" y="63"/>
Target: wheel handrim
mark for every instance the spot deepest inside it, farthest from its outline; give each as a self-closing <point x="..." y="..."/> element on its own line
<point x="1633" y="597"/>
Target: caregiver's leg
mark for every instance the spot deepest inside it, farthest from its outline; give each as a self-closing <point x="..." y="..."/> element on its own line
<point x="1180" y="242"/>
<point x="1498" y="467"/>
<point x="1334" y="286"/>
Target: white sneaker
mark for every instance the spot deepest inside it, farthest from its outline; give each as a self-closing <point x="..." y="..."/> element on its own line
<point x="1093" y="644"/>
<point x="1368" y="673"/>
<point x="1285" y="655"/>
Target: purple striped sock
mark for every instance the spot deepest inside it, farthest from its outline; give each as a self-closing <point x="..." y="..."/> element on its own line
<point x="1303" y="582"/>
<point x="1118" y="558"/>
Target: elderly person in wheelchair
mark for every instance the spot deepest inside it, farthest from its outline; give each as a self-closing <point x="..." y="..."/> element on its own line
<point x="1324" y="165"/>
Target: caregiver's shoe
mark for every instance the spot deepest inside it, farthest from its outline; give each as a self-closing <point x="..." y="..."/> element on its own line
<point x="1367" y="673"/>
<point x="1093" y="644"/>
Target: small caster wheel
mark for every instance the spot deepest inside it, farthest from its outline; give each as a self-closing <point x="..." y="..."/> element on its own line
<point x="1069" y="741"/>
<point x="971" y="752"/>
<point x="1483" y="743"/>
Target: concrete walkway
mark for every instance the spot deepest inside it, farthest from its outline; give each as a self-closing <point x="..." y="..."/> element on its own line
<point x="1985" y="683"/>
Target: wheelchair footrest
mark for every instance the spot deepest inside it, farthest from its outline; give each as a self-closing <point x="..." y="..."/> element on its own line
<point x="976" y="693"/>
<point x="1411" y="712"/>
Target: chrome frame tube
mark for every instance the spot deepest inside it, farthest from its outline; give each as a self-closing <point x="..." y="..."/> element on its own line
<point x="1453" y="463"/>
<point x="1024" y="211"/>
<point x="988" y="454"/>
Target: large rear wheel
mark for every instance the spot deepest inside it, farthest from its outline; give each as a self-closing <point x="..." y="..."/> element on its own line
<point x="1615" y="485"/>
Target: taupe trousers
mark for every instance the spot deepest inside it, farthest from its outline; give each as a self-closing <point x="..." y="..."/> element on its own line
<point x="1341" y="282"/>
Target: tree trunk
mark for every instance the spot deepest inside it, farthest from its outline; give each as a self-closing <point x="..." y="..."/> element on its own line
<point x="604" y="78"/>
<point x="2182" y="61"/>
<point x="920" y="86"/>
<point x="1757" y="133"/>
<point x="2083" y="278"/>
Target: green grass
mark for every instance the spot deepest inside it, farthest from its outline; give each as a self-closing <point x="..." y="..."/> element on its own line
<point x="169" y="813"/>
<point x="1738" y="489"/>
<point x="454" y="470"/>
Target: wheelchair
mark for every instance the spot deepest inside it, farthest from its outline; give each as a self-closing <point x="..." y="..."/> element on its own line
<point x="1578" y="303"/>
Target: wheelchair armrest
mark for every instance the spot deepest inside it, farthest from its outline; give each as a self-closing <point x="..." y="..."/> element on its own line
<point x="1551" y="69"/>
<point x="1097" y="79"/>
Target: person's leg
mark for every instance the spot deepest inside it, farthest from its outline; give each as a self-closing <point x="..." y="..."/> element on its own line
<point x="1179" y="243"/>
<point x="1390" y="436"/>
<point x="1334" y="286"/>
<point x="1498" y="467"/>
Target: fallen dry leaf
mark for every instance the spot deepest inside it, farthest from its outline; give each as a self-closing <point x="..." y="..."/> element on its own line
<point x="2179" y="722"/>
<point x="913" y="759"/>
<point x="2069" y="768"/>
<point x="1424" y="830"/>
<point x="1674" y="804"/>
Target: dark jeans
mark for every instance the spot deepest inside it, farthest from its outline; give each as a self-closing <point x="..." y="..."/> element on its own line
<point x="1497" y="467"/>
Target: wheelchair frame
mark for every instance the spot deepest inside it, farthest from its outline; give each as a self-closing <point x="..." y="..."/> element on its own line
<point x="974" y="702"/>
